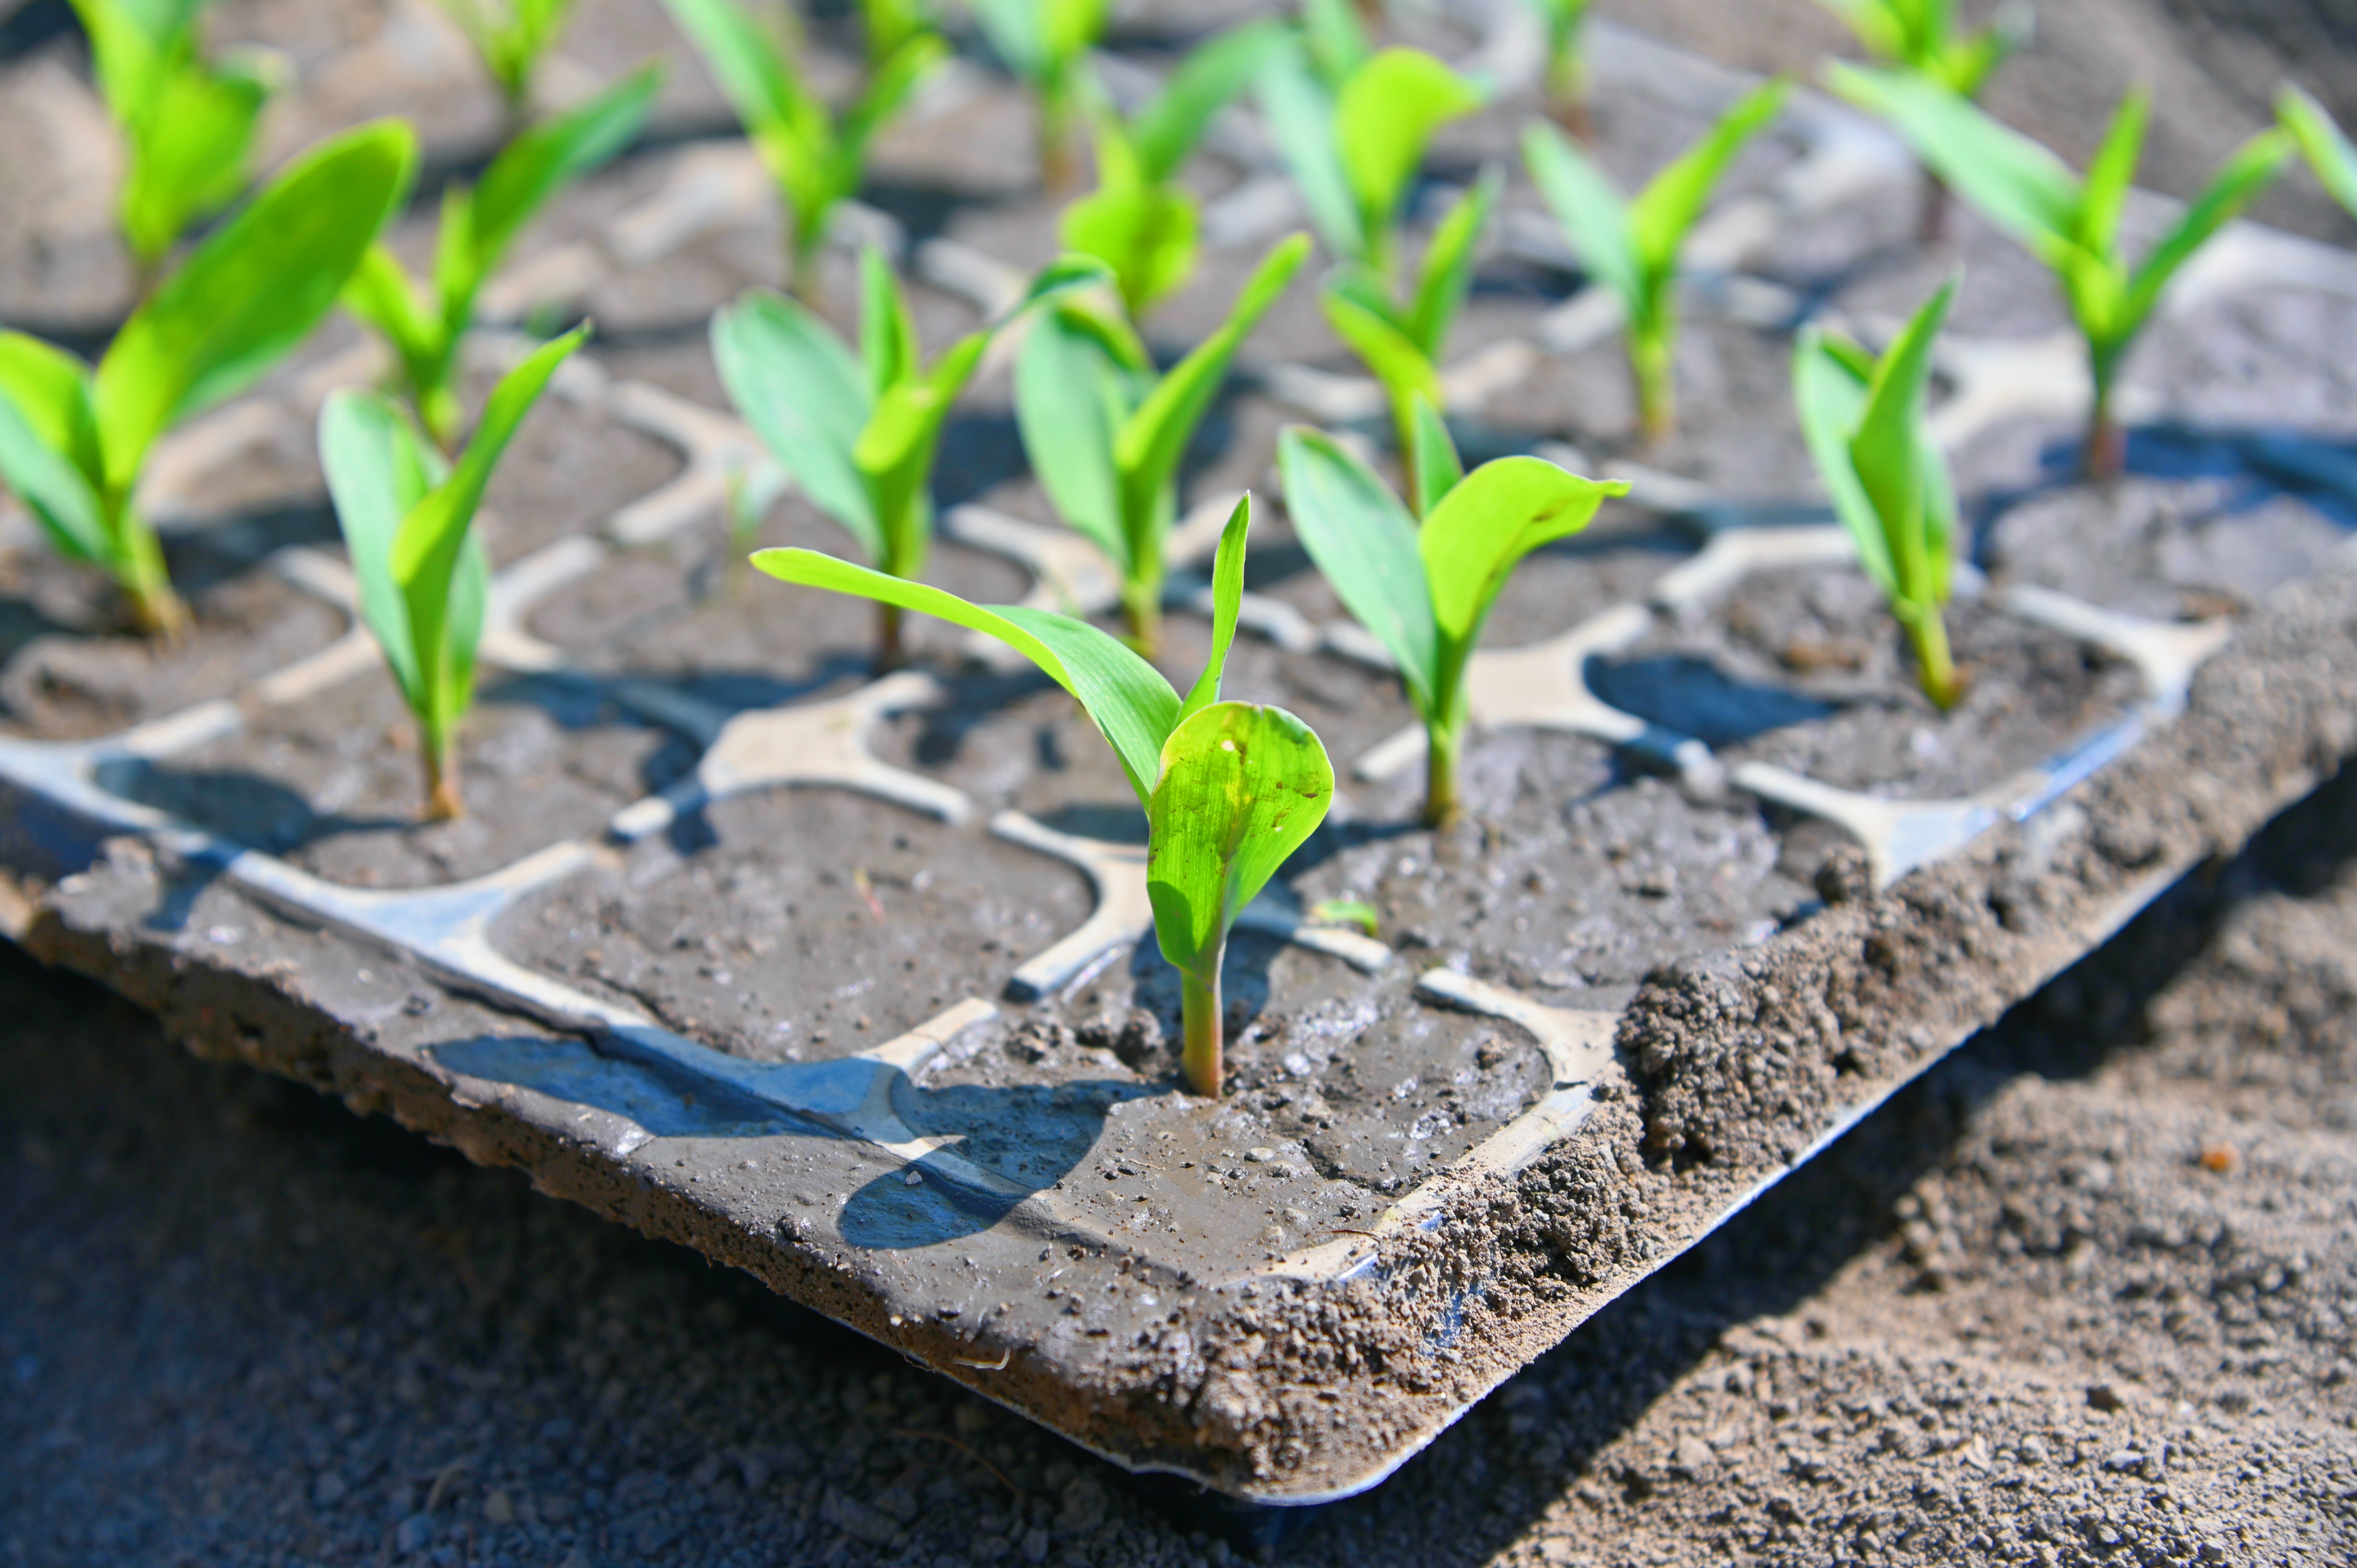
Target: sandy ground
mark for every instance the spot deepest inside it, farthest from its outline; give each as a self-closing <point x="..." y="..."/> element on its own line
<point x="2081" y="1295"/>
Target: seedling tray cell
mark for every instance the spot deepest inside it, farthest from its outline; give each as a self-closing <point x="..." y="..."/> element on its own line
<point x="848" y="980"/>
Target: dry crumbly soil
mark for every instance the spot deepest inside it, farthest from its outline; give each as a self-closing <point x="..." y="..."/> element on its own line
<point x="2081" y="1295"/>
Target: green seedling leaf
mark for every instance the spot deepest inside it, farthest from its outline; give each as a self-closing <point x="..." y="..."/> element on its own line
<point x="1298" y="107"/>
<point x="406" y="517"/>
<point x="1385" y="116"/>
<point x="2253" y="168"/>
<point x="1434" y="463"/>
<point x="1166" y="131"/>
<point x="859" y="438"/>
<point x="1566" y="71"/>
<point x="1633" y="247"/>
<point x="2327" y="147"/>
<point x="1229" y="790"/>
<point x="806" y="397"/>
<point x="252" y="291"/>
<point x="2014" y="182"/>
<point x="551" y="155"/>
<point x="1079" y="377"/>
<point x="1446" y="274"/>
<point x="1144" y="230"/>
<point x="1348" y="912"/>
<point x="1424" y="591"/>
<point x="1593" y="212"/>
<point x="1336" y="39"/>
<point x="1155" y="437"/>
<point x="48" y="445"/>
<point x="1241" y="787"/>
<point x="191" y="149"/>
<point x="891" y="24"/>
<point x="1363" y="540"/>
<point x="1863" y="420"/>
<point x="1923" y="36"/>
<point x="2104" y="194"/>
<point x="511" y="36"/>
<point x="1660" y="220"/>
<point x="1356" y="309"/>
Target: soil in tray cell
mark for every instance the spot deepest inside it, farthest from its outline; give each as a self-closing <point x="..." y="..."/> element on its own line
<point x="1807" y="670"/>
<point x="1343" y="1092"/>
<point x="801" y="924"/>
<point x="333" y="784"/>
<point x="1566" y="880"/>
<point x="70" y="669"/>
<point x="693" y="614"/>
<point x="2164" y="548"/>
<point x="2281" y="359"/>
<point x="565" y="472"/>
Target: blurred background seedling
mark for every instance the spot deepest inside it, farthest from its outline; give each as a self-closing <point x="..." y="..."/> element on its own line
<point x="425" y="581"/>
<point x="2326" y="146"/>
<point x="1425" y="589"/>
<point x="1140" y="221"/>
<point x="74" y="439"/>
<point x="426" y="320"/>
<point x="512" y="37"/>
<point x="1229" y="790"/>
<point x="857" y="429"/>
<point x="815" y="154"/>
<point x="1631" y="247"/>
<point x="1105" y="432"/>
<point x="1352" y="122"/>
<point x="1863" y="419"/>
<point x="2069" y="223"/>
<point x="187" y="120"/>
<point x="1566" y="61"/>
<point x="1926" y="39"/>
<point x="1046" y="43"/>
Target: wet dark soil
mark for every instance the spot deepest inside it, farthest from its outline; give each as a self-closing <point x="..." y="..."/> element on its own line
<point x="1807" y="670"/>
<point x="333" y="783"/>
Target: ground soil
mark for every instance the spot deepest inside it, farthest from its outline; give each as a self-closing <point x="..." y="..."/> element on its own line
<point x="2080" y="1296"/>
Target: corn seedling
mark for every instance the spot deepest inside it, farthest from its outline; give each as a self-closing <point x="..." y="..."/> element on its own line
<point x="888" y="24"/>
<point x="424" y="580"/>
<point x="74" y="440"/>
<point x="426" y="320"/>
<point x="1567" y="60"/>
<point x="1105" y="435"/>
<point x="857" y="430"/>
<point x="1229" y="790"/>
<point x="187" y="122"/>
<point x="1140" y="221"/>
<point x="815" y="155"/>
<point x="1352" y="123"/>
<point x="1047" y="43"/>
<point x="1863" y="418"/>
<point x="1424" y="589"/>
<point x="1923" y="36"/>
<point x="2327" y="147"/>
<point x="511" y="36"/>
<point x="2069" y="222"/>
<point x="1633" y="246"/>
<point x="1404" y="347"/>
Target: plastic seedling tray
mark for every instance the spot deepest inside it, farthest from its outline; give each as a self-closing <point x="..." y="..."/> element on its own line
<point x="840" y="981"/>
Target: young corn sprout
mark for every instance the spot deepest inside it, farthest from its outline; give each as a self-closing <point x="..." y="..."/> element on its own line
<point x="857" y="430"/>
<point x="511" y="36"/>
<point x="424" y="579"/>
<point x="1863" y="418"/>
<point x="1230" y="790"/>
<point x="73" y="441"/>
<point x="426" y="320"/>
<point x="1047" y="44"/>
<point x="2069" y="222"/>
<point x="1352" y="123"/>
<point x="1105" y="435"/>
<point x="1140" y="221"/>
<point x="1425" y="589"/>
<point x="1923" y="36"/>
<point x="888" y="24"/>
<point x="1567" y="60"/>
<point x="187" y="122"/>
<point x="815" y="155"/>
<point x="2327" y="147"/>
<point x="1404" y="347"/>
<point x="1633" y="246"/>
